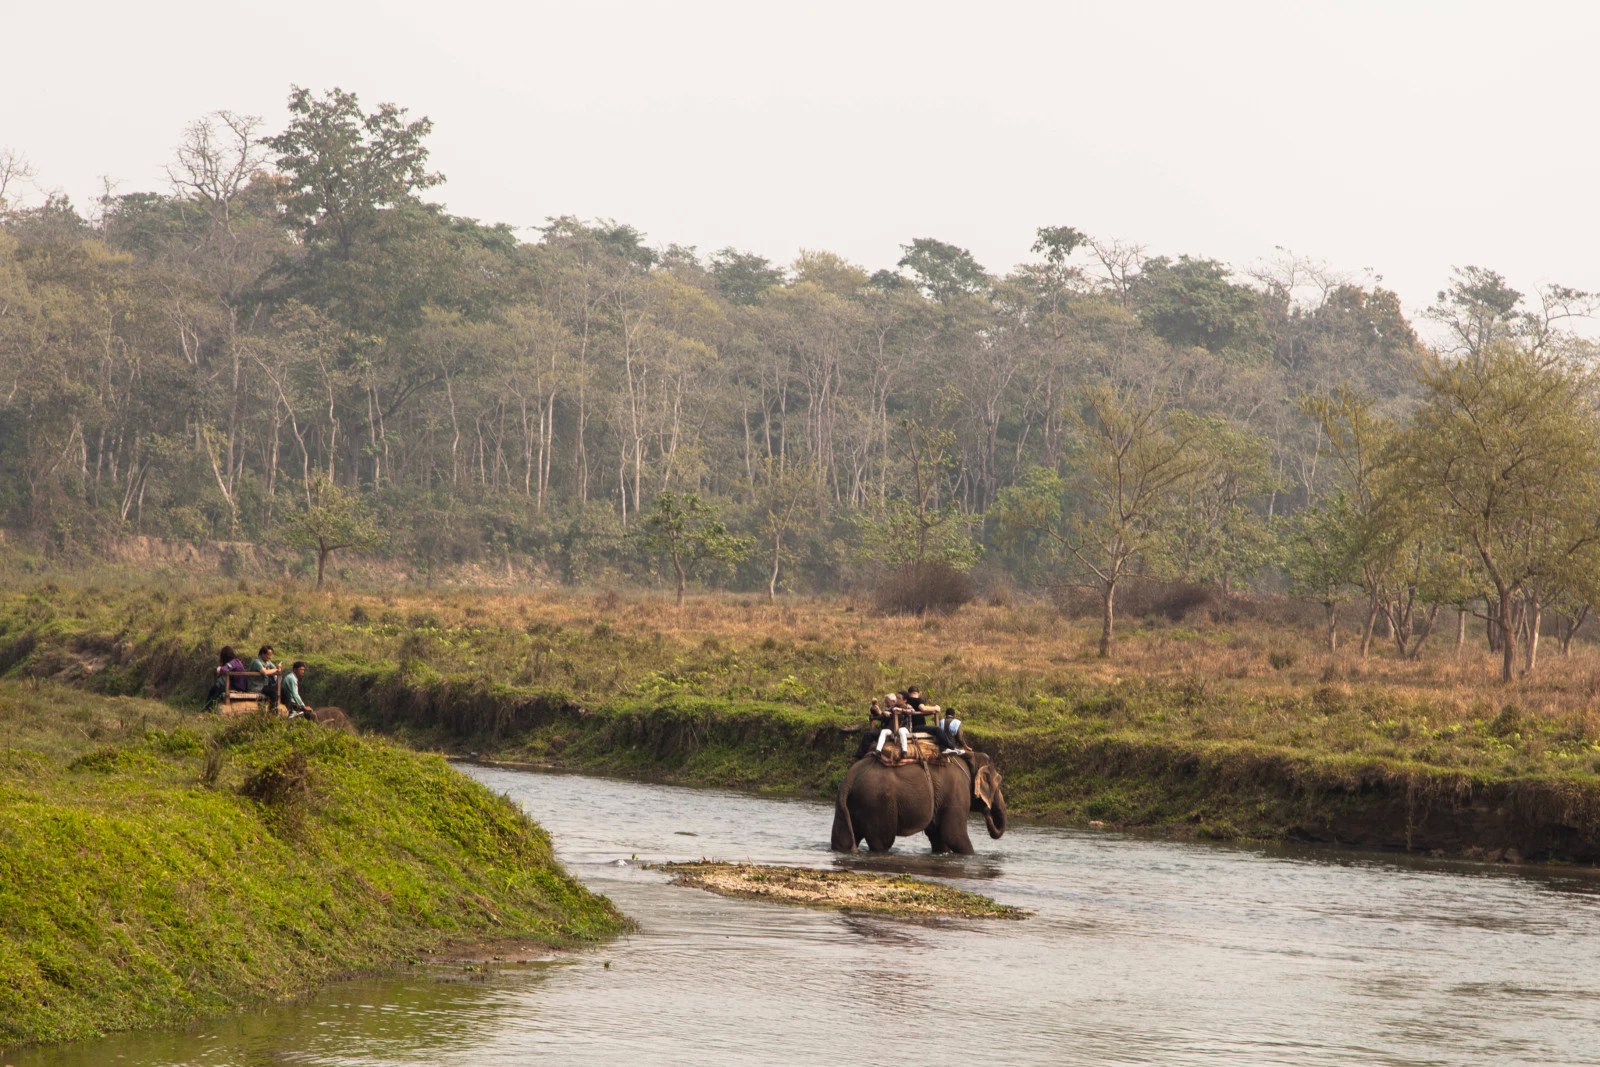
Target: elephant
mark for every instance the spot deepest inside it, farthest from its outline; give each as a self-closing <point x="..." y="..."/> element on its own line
<point x="878" y="803"/>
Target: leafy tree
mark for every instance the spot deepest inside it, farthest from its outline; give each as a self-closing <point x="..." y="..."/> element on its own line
<point x="1131" y="461"/>
<point x="344" y="166"/>
<point x="918" y="523"/>
<point x="1214" y="535"/>
<point x="783" y="500"/>
<point x="334" y="518"/>
<point x="1193" y="302"/>
<point x="944" y="271"/>
<point x="743" y="276"/>
<point x="684" y="529"/>
<point x="1320" y="558"/>
<point x="1506" y="451"/>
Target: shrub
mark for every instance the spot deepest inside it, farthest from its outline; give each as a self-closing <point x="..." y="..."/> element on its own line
<point x="279" y="782"/>
<point x="919" y="588"/>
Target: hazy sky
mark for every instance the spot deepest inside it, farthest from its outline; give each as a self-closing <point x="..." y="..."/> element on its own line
<point x="1405" y="137"/>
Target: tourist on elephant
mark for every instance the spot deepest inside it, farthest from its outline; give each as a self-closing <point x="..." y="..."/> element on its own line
<point x="922" y="712"/>
<point x="882" y="720"/>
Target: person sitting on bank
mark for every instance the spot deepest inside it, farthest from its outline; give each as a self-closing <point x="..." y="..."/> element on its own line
<point x="291" y="690"/>
<point x="268" y="682"/>
<point x="229" y="675"/>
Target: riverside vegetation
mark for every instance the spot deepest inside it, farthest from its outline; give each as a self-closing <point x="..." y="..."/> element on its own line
<point x="1205" y="728"/>
<point x="155" y="868"/>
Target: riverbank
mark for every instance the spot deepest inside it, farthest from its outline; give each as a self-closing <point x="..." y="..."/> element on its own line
<point x="1211" y="730"/>
<point x="156" y="868"/>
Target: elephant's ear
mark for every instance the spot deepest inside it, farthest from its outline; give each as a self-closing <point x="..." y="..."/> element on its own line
<point x="986" y="785"/>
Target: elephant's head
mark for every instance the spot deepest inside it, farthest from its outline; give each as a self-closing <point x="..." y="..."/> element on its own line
<point x="986" y="794"/>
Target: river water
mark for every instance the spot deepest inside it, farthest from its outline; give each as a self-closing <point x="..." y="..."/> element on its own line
<point x="1139" y="952"/>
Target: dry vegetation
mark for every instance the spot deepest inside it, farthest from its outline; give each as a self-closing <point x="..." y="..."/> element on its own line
<point x="1009" y="665"/>
<point x="893" y="895"/>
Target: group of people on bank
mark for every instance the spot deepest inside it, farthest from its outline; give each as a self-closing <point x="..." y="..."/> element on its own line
<point x="904" y="714"/>
<point x="264" y="677"/>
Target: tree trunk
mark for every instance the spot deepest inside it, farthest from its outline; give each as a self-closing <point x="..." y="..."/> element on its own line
<point x="1461" y="631"/>
<point x="1569" y="629"/>
<point x="1508" y="638"/>
<point x="777" y="557"/>
<point x="1415" y="651"/>
<point x="1332" y="608"/>
<point x="1107" y="618"/>
<point x="322" y="560"/>
<point x="1372" y="624"/>
<point x="1535" y="615"/>
<point x="683" y="579"/>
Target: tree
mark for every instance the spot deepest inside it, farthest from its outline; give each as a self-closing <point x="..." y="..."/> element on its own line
<point x="743" y="276"/>
<point x="1506" y="451"/>
<point x="783" y="497"/>
<point x="685" y="529"/>
<point x="920" y="523"/>
<point x="1193" y="302"/>
<point x="944" y="271"/>
<point x="344" y="166"/>
<point x="1319" y="558"/>
<point x="1131" y="461"/>
<point x="334" y="518"/>
<point x="1213" y="533"/>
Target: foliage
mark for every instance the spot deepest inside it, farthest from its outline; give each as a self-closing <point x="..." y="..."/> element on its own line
<point x="135" y="897"/>
<point x="334" y="518"/>
<point x="1133" y="462"/>
<point x="684" y="529"/>
<point x="1505" y="451"/>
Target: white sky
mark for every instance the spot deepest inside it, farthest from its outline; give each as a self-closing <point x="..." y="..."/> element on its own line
<point x="1405" y="137"/>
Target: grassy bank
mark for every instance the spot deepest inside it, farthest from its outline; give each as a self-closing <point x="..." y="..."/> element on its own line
<point x="1204" y="728"/>
<point x="154" y="870"/>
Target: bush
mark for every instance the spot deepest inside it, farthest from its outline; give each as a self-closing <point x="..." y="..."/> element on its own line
<point x="919" y="588"/>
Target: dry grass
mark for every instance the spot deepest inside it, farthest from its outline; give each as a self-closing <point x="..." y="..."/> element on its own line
<point x="1016" y="666"/>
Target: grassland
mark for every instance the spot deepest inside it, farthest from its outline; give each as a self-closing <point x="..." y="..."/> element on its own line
<point x="155" y="868"/>
<point x="1202" y="727"/>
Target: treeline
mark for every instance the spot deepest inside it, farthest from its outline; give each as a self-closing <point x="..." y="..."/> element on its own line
<point x="292" y="343"/>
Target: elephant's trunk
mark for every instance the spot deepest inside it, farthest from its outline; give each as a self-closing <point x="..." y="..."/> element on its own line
<point x="994" y="817"/>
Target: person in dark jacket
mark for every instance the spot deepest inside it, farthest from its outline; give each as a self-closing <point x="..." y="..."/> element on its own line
<point x="927" y="717"/>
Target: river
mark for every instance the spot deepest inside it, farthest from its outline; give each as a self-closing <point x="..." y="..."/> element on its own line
<point x="1139" y="952"/>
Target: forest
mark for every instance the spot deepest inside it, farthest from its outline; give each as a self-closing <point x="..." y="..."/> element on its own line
<point x="291" y="344"/>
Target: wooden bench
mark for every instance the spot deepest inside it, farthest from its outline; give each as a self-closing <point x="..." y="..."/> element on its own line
<point x="243" y="701"/>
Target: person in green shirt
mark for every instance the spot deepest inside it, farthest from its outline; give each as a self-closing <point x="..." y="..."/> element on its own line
<point x="291" y="690"/>
<point x="268" y="684"/>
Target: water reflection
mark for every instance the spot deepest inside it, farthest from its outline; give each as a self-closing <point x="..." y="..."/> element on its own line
<point x="1139" y="952"/>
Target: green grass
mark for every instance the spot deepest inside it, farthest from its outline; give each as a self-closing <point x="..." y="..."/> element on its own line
<point x="153" y="871"/>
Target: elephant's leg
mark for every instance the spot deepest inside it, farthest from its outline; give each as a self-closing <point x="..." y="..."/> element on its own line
<point x="952" y="823"/>
<point x="877" y="824"/>
<point x="936" y="838"/>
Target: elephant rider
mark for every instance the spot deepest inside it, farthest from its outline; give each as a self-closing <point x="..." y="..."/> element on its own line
<point x="940" y="729"/>
<point x="885" y="720"/>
